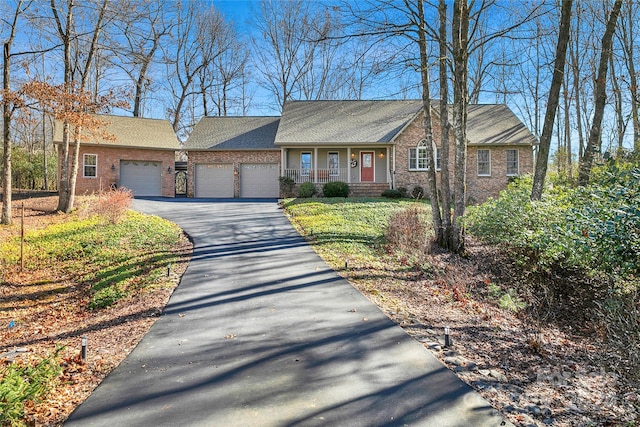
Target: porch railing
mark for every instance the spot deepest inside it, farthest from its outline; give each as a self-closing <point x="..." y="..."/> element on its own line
<point x="318" y="175"/>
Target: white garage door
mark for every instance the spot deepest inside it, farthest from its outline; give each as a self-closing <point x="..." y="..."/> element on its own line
<point x="142" y="178"/>
<point x="259" y="180"/>
<point x="214" y="180"/>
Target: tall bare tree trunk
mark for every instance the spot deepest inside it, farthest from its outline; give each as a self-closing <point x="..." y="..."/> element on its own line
<point x="460" y="30"/>
<point x="428" y="127"/>
<point x="552" y="104"/>
<point x="573" y="55"/>
<point x="7" y="184"/>
<point x="445" y="128"/>
<point x="6" y="135"/>
<point x="626" y="26"/>
<point x="593" y="144"/>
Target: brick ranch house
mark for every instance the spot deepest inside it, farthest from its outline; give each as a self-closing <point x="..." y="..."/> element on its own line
<point x="142" y="157"/>
<point x="371" y="145"/>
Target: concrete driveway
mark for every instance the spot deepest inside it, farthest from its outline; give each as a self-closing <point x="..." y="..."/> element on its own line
<point x="261" y="332"/>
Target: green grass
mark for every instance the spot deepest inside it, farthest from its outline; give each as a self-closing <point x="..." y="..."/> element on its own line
<point x="346" y="229"/>
<point x="115" y="260"/>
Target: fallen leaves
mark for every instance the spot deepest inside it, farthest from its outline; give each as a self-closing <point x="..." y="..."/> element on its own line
<point x="49" y="308"/>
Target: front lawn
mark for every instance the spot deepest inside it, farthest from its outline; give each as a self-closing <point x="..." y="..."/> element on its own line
<point x="87" y="274"/>
<point x="501" y="348"/>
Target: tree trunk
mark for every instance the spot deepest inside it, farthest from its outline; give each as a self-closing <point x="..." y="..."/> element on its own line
<point x="593" y="144"/>
<point x="552" y="104"/>
<point x="445" y="129"/>
<point x="628" y="48"/>
<point x="428" y="128"/>
<point x="460" y="30"/>
<point x="7" y="184"/>
<point x="6" y="134"/>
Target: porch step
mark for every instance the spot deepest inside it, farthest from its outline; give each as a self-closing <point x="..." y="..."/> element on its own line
<point x="367" y="190"/>
<point x="358" y="189"/>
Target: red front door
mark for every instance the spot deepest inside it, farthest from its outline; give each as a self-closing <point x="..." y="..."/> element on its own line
<point x="366" y="166"/>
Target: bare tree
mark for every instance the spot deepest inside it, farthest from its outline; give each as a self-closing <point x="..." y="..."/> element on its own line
<point x="593" y="144"/>
<point x="628" y="50"/>
<point x="77" y="70"/>
<point x="138" y="31"/>
<point x="553" y="101"/>
<point x="294" y="49"/>
<point x="7" y="111"/>
<point x="199" y="37"/>
<point x="445" y="128"/>
<point x="229" y="71"/>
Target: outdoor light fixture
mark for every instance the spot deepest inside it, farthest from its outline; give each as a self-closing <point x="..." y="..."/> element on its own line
<point x="353" y="155"/>
<point x="381" y="154"/>
<point x="169" y="169"/>
<point x="113" y="168"/>
<point x="83" y="350"/>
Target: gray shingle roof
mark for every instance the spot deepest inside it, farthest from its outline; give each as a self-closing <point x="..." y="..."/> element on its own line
<point x="344" y="122"/>
<point x="495" y="124"/>
<point x="133" y="132"/>
<point x="234" y="133"/>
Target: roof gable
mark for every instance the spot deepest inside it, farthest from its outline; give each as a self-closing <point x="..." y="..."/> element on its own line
<point x="340" y="122"/>
<point x="233" y="133"/>
<point x="132" y="132"/>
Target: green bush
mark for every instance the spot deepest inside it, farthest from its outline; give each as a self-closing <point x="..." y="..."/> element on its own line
<point x="19" y="384"/>
<point x="583" y="245"/>
<point x="335" y="189"/>
<point x="392" y="194"/>
<point x="306" y="190"/>
<point x="403" y="192"/>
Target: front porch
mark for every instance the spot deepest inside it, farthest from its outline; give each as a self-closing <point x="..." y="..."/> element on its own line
<point x="319" y="165"/>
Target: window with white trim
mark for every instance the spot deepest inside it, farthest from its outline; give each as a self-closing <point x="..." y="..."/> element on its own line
<point x="90" y="165"/>
<point x="305" y="163"/>
<point x="484" y="162"/>
<point x="438" y="158"/>
<point x="513" y="163"/>
<point x="418" y="158"/>
<point x="333" y="164"/>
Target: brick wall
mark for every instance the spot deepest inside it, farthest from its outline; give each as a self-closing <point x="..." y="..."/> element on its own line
<point x="479" y="188"/>
<point x="234" y="157"/>
<point x="109" y="157"/>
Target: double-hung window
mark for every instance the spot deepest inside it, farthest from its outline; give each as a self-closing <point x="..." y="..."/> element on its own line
<point x="513" y="163"/>
<point x="484" y="162"/>
<point x="418" y="159"/>
<point x="90" y="165"/>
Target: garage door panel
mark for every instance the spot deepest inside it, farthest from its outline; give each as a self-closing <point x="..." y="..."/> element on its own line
<point x="214" y="180"/>
<point x="259" y="180"/>
<point x="141" y="177"/>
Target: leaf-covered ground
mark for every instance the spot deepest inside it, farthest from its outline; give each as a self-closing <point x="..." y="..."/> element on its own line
<point x="547" y="370"/>
<point x="68" y="271"/>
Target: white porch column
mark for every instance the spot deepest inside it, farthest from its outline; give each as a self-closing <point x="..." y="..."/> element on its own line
<point x="283" y="159"/>
<point x="349" y="164"/>
<point x="388" y="167"/>
<point x="315" y="164"/>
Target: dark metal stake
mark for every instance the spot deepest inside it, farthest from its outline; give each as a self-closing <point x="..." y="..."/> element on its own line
<point x="447" y="338"/>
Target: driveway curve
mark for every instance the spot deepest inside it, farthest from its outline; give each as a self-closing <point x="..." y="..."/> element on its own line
<point x="261" y="332"/>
